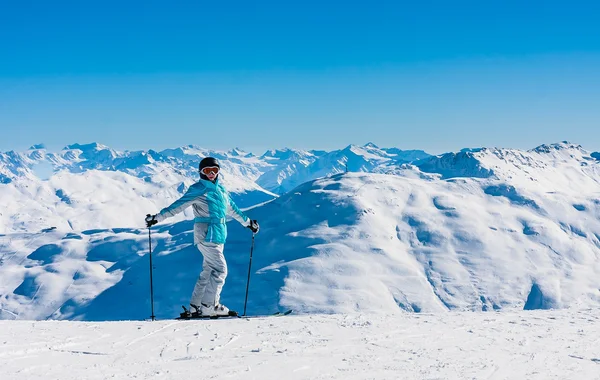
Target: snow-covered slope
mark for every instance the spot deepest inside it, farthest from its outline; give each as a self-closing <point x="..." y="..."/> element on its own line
<point x="539" y="345"/>
<point x="543" y="163"/>
<point x="429" y="236"/>
<point x="377" y="241"/>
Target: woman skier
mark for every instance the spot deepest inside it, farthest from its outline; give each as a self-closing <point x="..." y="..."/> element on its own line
<point x="212" y="204"/>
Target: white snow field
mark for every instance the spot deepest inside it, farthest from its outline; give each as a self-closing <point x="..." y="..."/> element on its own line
<point x="544" y="345"/>
<point x="478" y="264"/>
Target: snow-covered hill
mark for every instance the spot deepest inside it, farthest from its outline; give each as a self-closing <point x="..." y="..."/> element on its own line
<point x="544" y="163"/>
<point x="381" y="242"/>
<point x="482" y="229"/>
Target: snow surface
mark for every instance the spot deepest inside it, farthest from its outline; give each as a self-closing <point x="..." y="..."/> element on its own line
<point x="397" y="264"/>
<point x="544" y="345"/>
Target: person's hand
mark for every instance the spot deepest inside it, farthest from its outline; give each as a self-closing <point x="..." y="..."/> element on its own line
<point x="150" y="220"/>
<point x="253" y="225"/>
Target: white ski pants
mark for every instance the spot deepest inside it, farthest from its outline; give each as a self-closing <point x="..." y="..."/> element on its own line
<point x="212" y="278"/>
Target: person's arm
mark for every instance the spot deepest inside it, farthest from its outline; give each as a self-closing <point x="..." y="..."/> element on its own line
<point x="194" y="192"/>
<point x="234" y="211"/>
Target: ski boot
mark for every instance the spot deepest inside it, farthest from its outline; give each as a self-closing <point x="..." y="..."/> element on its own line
<point x="217" y="311"/>
<point x="189" y="314"/>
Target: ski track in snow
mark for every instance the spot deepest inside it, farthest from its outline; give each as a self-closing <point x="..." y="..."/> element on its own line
<point x="557" y="344"/>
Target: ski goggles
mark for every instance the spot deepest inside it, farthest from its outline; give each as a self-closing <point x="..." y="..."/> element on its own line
<point x="210" y="170"/>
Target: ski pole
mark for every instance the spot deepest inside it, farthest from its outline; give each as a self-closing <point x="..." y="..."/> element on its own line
<point x="151" y="287"/>
<point x="249" y="269"/>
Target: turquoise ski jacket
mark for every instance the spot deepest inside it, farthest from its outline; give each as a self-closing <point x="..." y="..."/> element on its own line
<point x="212" y="205"/>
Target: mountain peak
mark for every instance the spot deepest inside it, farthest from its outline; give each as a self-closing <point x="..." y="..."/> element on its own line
<point x="563" y="145"/>
<point x="37" y="146"/>
<point x="354" y="149"/>
<point x="85" y="147"/>
<point x="471" y="150"/>
<point x="284" y="153"/>
<point x="370" y="145"/>
<point x="366" y="152"/>
<point x="238" y="152"/>
<point x="456" y="164"/>
<point x="191" y="147"/>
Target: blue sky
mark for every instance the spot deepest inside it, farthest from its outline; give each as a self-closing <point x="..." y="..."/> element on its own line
<point x="436" y="75"/>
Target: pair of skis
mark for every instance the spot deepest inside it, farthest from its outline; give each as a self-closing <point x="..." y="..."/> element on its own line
<point x="187" y="316"/>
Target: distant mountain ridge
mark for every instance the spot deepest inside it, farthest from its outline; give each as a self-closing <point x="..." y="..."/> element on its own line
<point x="277" y="171"/>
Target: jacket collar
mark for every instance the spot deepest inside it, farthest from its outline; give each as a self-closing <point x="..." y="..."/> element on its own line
<point x="209" y="184"/>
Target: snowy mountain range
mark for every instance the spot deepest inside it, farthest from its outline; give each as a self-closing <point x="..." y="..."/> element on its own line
<point x="362" y="228"/>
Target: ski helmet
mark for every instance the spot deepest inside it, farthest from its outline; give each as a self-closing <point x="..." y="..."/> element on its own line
<point x="207" y="162"/>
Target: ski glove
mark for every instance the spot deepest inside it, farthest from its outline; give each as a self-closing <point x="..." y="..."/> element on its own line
<point x="150" y="220"/>
<point x="253" y="226"/>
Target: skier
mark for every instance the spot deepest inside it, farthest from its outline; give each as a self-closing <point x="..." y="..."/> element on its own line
<point x="212" y="204"/>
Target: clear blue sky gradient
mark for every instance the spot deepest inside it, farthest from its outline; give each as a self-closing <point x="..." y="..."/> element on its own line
<point x="432" y="75"/>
